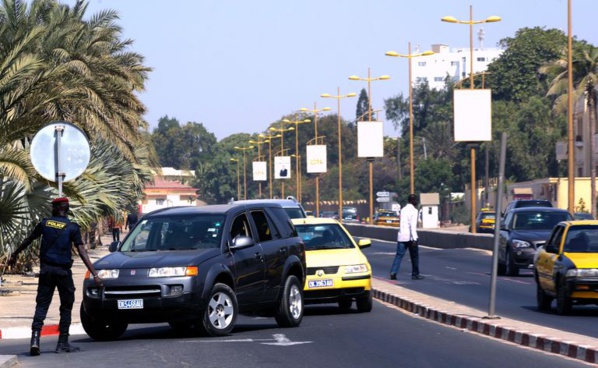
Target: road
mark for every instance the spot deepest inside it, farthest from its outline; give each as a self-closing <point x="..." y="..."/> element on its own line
<point x="464" y="276"/>
<point x="386" y="337"/>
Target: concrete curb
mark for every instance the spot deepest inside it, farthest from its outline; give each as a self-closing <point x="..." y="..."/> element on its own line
<point x="486" y="327"/>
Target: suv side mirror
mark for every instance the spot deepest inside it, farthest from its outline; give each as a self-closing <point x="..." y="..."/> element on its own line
<point x="114" y="246"/>
<point x="240" y="242"/>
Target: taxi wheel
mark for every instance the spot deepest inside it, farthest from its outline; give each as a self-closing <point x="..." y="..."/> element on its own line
<point x="220" y="315"/>
<point x="290" y="311"/>
<point x="101" y="330"/>
<point x="542" y="299"/>
<point x="563" y="301"/>
<point x="365" y="303"/>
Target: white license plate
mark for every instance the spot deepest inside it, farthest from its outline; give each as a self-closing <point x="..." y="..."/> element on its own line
<point x="389" y="221"/>
<point x="130" y="304"/>
<point x="320" y="283"/>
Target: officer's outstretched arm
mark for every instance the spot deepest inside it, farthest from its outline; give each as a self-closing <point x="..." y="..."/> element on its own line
<point x="85" y="258"/>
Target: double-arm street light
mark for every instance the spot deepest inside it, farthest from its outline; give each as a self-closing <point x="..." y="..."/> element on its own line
<point x="340" y="151"/>
<point x="410" y="56"/>
<point x="369" y="79"/>
<point x="471" y="22"/>
<point x="244" y="168"/>
<point x="296" y="123"/>
<point x="260" y="140"/>
<point x="238" y="179"/>
<point x="281" y="130"/>
<point x="315" y="111"/>
<point x="269" y="141"/>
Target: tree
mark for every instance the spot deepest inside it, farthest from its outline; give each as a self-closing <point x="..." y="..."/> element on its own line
<point x="363" y="107"/>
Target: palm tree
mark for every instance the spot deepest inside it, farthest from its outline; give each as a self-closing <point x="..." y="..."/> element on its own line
<point x="585" y="77"/>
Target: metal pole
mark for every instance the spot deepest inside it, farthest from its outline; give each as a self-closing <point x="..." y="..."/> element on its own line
<point x="501" y="175"/>
<point x="411" y="164"/>
<point x="59" y="174"/>
<point x="571" y="158"/>
<point x="340" y="156"/>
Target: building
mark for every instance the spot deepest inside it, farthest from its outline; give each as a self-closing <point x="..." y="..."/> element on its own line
<point x="165" y="192"/>
<point x="453" y="63"/>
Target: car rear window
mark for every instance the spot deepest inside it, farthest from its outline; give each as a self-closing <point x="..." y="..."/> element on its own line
<point x="283" y="222"/>
<point x="538" y="220"/>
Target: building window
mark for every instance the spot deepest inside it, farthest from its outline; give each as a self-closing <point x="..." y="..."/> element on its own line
<point x="421" y="63"/>
<point x="481" y="59"/>
<point x="438" y="79"/>
<point x="421" y="79"/>
<point x="454" y="63"/>
<point x="160" y="201"/>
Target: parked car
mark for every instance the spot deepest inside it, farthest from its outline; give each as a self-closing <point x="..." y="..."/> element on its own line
<point x="518" y="203"/>
<point x="485" y="221"/>
<point x="293" y="208"/>
<point x="387" y="218"/>
<point x="329" y="214"/>
<point x="525" y="229"/>
<point x="337" y="270"/>
<point x="350" y="214"/>
<point x="198" y="268"/>
<point x="566" y="267"/>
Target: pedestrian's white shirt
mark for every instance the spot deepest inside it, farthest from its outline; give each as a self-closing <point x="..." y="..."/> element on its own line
<point x="408" y="226"/>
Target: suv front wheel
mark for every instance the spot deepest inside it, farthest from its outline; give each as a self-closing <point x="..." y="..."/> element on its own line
<point x="290" y="311"/>
<point x="221" y="313"/>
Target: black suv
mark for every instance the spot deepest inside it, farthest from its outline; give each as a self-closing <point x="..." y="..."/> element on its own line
<point x="523" y="230"/>
<point x="198" y="268"/>
<point x="518" y="203"/>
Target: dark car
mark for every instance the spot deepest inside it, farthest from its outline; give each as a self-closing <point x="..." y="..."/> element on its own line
<point x="525" y="229"/>
<point x="583" y="216"/>
<point x="518" y="203"/>
<point x="198" y="268"/>
<point x="350" y="214"/>
<point x="293" y="208"/>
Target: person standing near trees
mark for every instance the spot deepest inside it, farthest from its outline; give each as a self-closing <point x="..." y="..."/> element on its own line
<point x="58" y="235"/>
<point x="132" y="219"/>
<point x="116" y="227"/>
<point x="407" y="239"/>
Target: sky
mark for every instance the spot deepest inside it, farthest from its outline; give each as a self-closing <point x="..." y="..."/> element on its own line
<point x="236" y="66"/>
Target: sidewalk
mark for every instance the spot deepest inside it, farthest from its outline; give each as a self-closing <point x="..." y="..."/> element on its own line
<point x="17" y="308"/>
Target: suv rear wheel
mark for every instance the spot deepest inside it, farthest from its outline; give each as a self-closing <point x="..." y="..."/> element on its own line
<point x="221" y="313"/>
<point x="290" y="311"/>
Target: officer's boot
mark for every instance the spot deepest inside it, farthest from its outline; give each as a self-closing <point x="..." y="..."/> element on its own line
<point x="63" y="345"/>
<point x="34" y="349"/>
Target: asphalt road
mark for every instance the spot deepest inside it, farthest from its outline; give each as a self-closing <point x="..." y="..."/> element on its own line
<point x="386" y="337"/>
<point x="464" y="276"/>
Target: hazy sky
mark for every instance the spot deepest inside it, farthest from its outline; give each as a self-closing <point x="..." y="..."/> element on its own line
<point x="239" y="65"/>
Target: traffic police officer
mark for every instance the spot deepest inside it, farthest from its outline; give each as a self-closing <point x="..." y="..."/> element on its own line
<point x="58" y="234"/>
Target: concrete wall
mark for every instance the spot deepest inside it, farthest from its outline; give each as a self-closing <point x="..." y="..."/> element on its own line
<point x="437" y="238"/>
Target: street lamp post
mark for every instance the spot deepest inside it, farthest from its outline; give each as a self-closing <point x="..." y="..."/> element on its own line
<point x="296" y="123"/>
<point x="471" y="22"/>
<point x="370" y="160"/>
<point x="340" y="151"/>
<point x="259" y="155"/>
<point x="238" y="179"/>
<point x="269" y="140"/>
<point x="244" y="168"/>
<point x="410" y="56"/>
<point x="315" y="111"/>
<point x="281" y="130"/>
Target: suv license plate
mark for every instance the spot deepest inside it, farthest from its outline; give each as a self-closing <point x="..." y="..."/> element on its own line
<point x="130" y="304"/>
<point x="320" y="283"/>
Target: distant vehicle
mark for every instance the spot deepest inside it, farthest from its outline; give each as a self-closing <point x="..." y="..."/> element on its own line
<point x="337" y="270"/>
<point x="485" y="221"/>
<point x="386" y="218"/>
<point x="522" y="232"/>
<point x="309" y="213"/>
<point x="293" y="208"/>
<point x="350" y="214"/>
<point x="329" y="214"/>
<point x="566" y="267"/>
<point x="583" y="216"/>
<point x="198" y="268"/>
<point x="518" y="203"/>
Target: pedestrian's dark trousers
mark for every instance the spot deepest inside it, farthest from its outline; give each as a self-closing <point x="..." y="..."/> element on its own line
<point x="51" y="278"/>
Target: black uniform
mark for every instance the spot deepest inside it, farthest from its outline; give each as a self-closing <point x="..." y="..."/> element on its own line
<point x="58" y="234"/>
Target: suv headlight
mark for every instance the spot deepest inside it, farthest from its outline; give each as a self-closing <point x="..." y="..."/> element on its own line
<point x="108" y="274"/>
<point x="172" y="271"/>
<point x="582" y="272"/>
<point x="521" y="244"/>
<point x="358" y="268"/>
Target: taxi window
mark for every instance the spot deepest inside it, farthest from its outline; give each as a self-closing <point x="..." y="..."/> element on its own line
<point x="555" y="238"/>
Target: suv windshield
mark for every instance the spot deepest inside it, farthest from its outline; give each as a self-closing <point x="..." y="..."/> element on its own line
<point x="175" y="233"/>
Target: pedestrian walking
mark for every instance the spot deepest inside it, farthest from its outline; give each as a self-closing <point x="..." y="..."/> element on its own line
<point x="116" y="227"/>
<point x="58" y="235"/>
<point x="132" y="219"/>
<point x="407" y="239"/>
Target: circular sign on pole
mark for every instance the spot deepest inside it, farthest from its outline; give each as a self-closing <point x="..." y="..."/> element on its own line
<point x="60" y="152"/>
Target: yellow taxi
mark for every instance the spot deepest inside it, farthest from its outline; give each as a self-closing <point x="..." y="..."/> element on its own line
<point x="486" y="220"/>
<point x="387" y="218"/>
<point x="566" y="267"/>
<point x="337" y="270"/>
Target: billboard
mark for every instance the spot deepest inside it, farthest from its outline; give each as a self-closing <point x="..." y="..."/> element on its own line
<point x="316" y="159"/>
<point x="282" y="167"/>
<point x="260" y="171"/>
<point x="473" y="115"/>
<point x="370" y="139"/>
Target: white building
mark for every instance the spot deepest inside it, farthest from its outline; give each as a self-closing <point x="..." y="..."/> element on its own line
<point x="451" y="62"/>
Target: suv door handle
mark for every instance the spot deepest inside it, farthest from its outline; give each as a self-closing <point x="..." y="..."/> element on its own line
<point x="283" y="250"/>
<point x="259" y="256"/>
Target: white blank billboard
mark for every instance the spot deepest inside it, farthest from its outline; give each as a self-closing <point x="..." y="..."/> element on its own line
<point x="473" y="115"/>
<point x="370" y="139"/>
